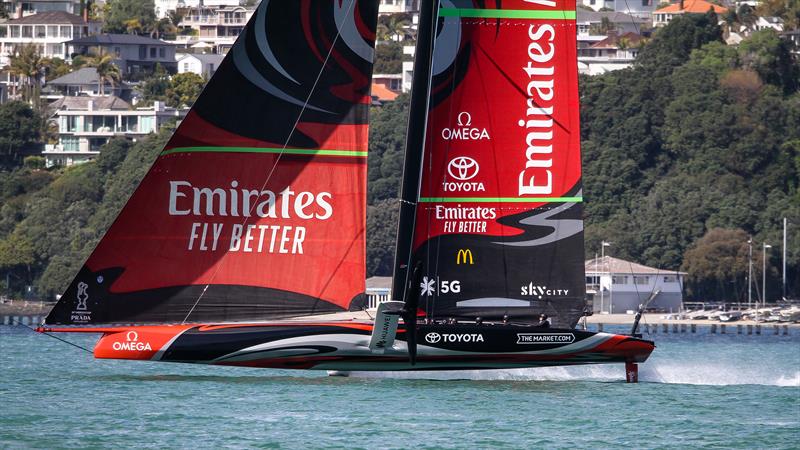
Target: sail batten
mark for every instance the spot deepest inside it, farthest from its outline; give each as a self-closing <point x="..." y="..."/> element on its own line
<point x="498" y="224"/>
<point x="256" y="208"/>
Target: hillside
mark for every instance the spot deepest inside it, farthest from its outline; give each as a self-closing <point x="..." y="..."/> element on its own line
<point x="685" y="155"/>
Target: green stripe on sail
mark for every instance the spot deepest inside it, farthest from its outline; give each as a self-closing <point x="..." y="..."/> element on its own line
<point x="501" y="199"/>
<point x="285" y="151"/>
<point x="506" y="13"/>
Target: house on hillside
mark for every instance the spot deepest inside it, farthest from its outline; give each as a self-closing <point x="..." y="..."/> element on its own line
<point x="164" y="7"/>
<point x="133" y="54"/>
<point x="617" y="286"/>
<point x="202" y="64"/>
<point x="663" y="16"/>
<point x="49" y="31"/>
<point x="587" y="21"/>
<point x="214" y="27"/>
<point x="85" y="82"/>
<point x="85" y="124"/>
<point x="21" y="8"/>
<point x="611" y="53"/>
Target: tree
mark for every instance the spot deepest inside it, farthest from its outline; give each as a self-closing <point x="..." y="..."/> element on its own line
<point x="394" y="27"/>
<point x="19" y="130"/>
<point x="55" y="68"/>
<point x="603" y="28"/>
<point x="107" y="71"/>
<point x="184" y="89"/>
<point x="381" y="235"/>
<point x="717" y="265"/>
<point x="154" y="87"/>
<point x="389" y="57"/>
<point x="130" y="16"/>
<point x="771" y="57"/>
<point x="29" y="66"/>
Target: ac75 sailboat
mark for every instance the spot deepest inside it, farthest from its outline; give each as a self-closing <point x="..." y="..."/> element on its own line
<point x="247" y="235"/>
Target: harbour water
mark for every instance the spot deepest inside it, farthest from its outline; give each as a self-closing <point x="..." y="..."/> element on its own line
<point x="697" y="391"/>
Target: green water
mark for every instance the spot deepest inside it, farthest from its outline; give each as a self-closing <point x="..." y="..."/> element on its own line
<point x="698" y="391"/>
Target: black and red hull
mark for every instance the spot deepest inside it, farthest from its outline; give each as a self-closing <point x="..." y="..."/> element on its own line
<point x="344" y="346"/>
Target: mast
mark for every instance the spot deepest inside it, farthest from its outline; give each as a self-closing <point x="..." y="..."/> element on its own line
<point x="415" y="144"/>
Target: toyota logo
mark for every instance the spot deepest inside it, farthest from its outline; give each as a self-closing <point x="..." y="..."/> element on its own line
<point x="433" y="338"/>
<point x="463" y="168"/>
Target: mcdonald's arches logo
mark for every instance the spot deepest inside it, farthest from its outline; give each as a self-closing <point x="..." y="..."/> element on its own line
<point x="464" y="257"/>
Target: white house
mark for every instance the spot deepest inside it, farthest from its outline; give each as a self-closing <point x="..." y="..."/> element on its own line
<point x="769" y="23"/>
<point x="19" y="8"/>
<point x="617" y="286"/>
<point x="215" y="27"/>
<point x="164" y="7"/>
<point x="48" y="31"/>
<point x="202" y="64"/>
<point x="87" y="123"/>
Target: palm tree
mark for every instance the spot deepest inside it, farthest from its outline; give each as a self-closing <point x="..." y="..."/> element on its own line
<point x="107" y="71"/>
<point x="394" y="25"/>
<point x="29" y="66"/>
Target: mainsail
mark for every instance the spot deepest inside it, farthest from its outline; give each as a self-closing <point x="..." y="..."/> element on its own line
<point x="497" y="223"/>
<point x="256" y="207"/>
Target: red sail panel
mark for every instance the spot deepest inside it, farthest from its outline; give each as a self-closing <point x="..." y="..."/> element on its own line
<point x="498" y="225"/>
<point x="256" y="207"/>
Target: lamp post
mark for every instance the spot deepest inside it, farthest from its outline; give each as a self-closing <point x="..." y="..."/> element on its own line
<point x="750" y="274"/>
<point x="764" y="275"/>
<point x="603" y="245"/>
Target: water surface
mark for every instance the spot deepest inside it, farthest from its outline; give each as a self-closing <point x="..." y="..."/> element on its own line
<point x="701" y="391"/>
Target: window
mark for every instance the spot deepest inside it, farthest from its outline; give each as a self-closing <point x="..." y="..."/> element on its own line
<point x="70" y="143"/>
<point x="27" y="31"/>
<point x="142" y="52"/>
<point x="186" y="67"/>
<point x="162" y="53"/>
<point x="647" y="2"/>
<point x="66" y="32"/>
<point x="52" y="31"/>
<point x="72" y="124"/>
<point x="3" y="31"/>
<point x="619" y="279"/>
<point x="152" y="53"/>
<point x="670" y="279"/>
<point x="40" y="31"/>
<point x="117" y="52"/>
<point x="641" y="280"/>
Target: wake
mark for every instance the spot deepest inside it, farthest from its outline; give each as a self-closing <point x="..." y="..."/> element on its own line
<point x="651" y="372"/>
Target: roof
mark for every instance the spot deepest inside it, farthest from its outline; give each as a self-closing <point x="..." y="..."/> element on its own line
<point x="205" y="58"/>
<point x="613" y="16"/>
<point x="612" y="41"/>
<point x="379" y="283"/>
<point x="49" y="17"/>
<point x="383" y="93"/>
<point x="85" y="75"/>
<point x="620" y="266"/>
<point x="82" y="103"/>
<point x="692" y="7"/>
<point x="117" y="39"/>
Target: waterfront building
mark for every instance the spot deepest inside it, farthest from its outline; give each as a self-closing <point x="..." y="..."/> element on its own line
<point x="617" y="286"/>
<point x="87" y="123"/>
<point x="202" y="64"/>
<point x="379" y="290"/>
<point x="49" y="31"/>
<point x="663" y="16"/>
<point x="132" y="54"/>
